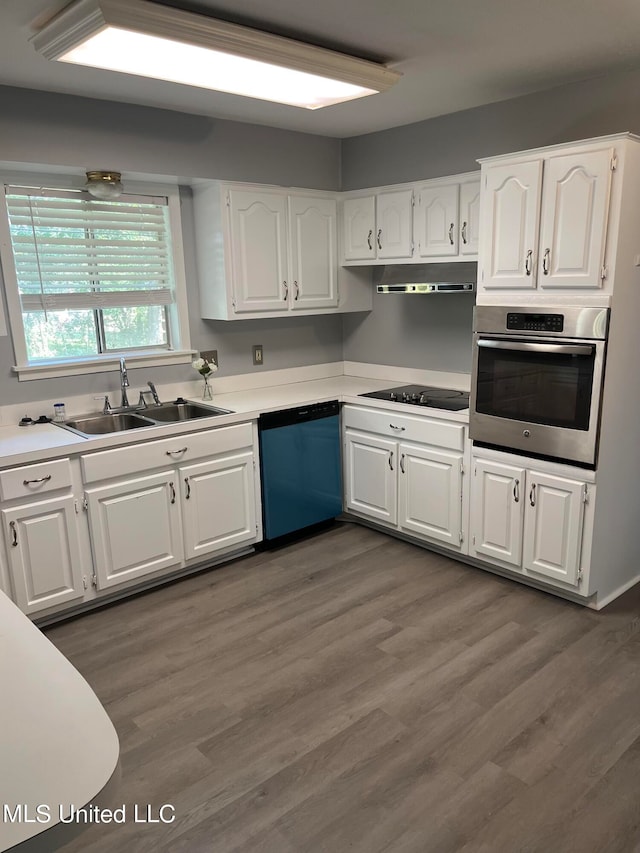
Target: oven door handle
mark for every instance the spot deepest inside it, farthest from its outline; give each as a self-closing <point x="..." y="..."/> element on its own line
<point x="526" y="346"/>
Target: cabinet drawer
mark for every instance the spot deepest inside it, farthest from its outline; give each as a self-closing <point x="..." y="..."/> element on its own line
<point x="150" y="455"/>
<point x="404" y="427"/>
<point x="35" y="479"/>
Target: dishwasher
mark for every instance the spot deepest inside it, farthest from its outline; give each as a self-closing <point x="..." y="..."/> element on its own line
<point x="300" y="468"/>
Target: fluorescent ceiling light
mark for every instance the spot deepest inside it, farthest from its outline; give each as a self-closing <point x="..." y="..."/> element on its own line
<point x="143" y="38"/>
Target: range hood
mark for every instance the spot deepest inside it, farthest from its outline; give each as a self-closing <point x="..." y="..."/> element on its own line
<point x="427" y="278"/>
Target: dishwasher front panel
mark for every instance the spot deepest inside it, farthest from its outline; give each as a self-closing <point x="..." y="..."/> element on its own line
<point x="301" y="474"/>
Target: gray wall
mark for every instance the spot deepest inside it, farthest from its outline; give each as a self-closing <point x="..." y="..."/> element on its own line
<point x="429" y="333"/>
<point x="80" y="133"/>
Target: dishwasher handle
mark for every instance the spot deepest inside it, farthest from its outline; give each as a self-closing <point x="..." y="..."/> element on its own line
<point x="298" y="415"/>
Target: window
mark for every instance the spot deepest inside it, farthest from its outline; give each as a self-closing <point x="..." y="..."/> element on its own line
<point x="88" y="280"/>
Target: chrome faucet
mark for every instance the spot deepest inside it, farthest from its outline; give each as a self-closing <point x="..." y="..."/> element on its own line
<point x="124" y="383"/>
<point x="154" y="393"/>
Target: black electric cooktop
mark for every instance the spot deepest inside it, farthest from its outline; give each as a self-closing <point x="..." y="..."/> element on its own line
<point x="423" y="395"/>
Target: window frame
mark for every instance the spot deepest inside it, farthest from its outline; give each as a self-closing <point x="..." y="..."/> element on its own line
<point x="179" y="351"/>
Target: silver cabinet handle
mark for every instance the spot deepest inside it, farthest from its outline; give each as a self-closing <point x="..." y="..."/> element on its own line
<point x="295" y="298"/>
<point x="188" y="485"/>
<point x="369" y="236"/>
<point x="463" y="233"/>
<point x="402" y="463"/>
<point x="527" y="263"/>
<point x="286" y="291"/>
<point x="532" y="495"/>
<point x="391" y="459"/>
<point x="546" y="261"/>
<point x="173" y="493"/>
<point x="37" y="480"/>
<point x="399" y="428"/>
<point x="14" y="534"/>
<point x="451" y="227"/>
<point x="177" y="452"/>
<point x="516" y="491"/>
<point x="379" y="236"/>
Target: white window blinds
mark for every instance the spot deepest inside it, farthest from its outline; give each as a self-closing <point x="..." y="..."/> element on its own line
<point x="74" y="252"/>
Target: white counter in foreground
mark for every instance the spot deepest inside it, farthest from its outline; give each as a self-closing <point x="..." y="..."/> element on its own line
<point x="58" y="746"/>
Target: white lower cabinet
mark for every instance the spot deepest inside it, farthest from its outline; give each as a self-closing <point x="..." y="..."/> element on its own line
<point x="218" y="504"/>
<point x="151" y="521"/>
<point x="135" y="528"/>
<point x="370" y="477"/>
<point x="44" y="553"/>
<point x="532" y="521"/>
<point x="430" y="493"/>
<point x="413" y="487"/>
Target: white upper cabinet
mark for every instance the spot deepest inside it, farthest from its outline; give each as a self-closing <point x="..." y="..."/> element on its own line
<point x="436" y="227"/>
<point x="259" y="250"/>
<point x="469" y="218"/>
<point x="544" y="220"/>
<point x="314" y="254"/>
<point x="435" y="220"/>
<point x="394" y="222"/>
<point x="510" y="209"/>
<point x="269" y="252"/>
<point x="378" y="226"/>
<point x="573" y="223"/>
<point x="359" y="228"/>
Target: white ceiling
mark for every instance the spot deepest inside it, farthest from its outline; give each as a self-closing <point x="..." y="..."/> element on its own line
<point x="454" y="54"/>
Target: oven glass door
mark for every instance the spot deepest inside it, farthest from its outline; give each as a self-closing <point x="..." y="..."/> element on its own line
<point x="535" y="382"/>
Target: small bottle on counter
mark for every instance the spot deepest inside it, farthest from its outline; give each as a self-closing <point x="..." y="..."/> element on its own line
<point x="59" y="414"/>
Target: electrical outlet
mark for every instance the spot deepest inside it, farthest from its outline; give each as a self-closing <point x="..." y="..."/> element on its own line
<point x="257" y="354"/>
<point x="210" y="355"/>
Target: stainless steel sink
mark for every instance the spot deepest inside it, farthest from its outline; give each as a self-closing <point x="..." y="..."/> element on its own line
<point x="102" y="424"/>
<point x="182" y="411"/>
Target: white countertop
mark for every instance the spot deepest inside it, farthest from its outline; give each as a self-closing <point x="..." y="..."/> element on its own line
<point x="58" y="746"/>
<point x="22" y="445"/>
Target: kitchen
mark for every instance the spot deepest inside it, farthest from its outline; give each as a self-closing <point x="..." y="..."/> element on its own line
<point x="407" y="332"/>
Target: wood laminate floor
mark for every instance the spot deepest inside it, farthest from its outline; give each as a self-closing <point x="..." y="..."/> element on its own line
<point x="357" y="694"/>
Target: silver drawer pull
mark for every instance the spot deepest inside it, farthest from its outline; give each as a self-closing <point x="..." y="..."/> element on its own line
<point x="44" y="479"/>
<point x="400" y="428"/>
<point x="177" y="452"/>
<point x="14" y="534"/>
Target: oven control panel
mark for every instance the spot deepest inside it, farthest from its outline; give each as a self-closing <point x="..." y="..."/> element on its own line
<point x="520" y="322"/>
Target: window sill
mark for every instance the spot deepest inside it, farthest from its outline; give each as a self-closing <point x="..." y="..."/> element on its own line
<point x="101" y="364"/>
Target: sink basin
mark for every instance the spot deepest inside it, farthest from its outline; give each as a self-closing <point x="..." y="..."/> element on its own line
<point x="102" y="424"/>
<point x="170" y="412"/>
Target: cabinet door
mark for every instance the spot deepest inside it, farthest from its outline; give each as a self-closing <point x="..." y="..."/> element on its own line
<point x="370" y="476"/>
<point x="44" y="553"/>
<point x="437" y="221"/>
<point x="497" y="495"/>
<point x="218" y="504"/>
<point x="259" y="251"/>
<point x="314" y="259"/>
<point x="359" y="225"/>
<point x="135" y="528"/>
<point x="510" y="212"/>
<point x="469" y="218"/>
<point x="575" y="203"/>
<point x="553" y="527"/>
<point x="430" y="493"/>
<point x="394" y="222"/>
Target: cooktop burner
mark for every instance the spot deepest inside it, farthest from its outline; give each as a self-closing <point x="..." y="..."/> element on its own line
<point x="423" y="395"/>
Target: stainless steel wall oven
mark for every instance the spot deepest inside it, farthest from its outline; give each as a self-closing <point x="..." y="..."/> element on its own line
<point x="537" y="379"/>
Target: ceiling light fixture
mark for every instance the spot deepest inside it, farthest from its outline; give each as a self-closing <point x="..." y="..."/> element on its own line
<point x="150" y="40"/>
<point x="104" y="185"/>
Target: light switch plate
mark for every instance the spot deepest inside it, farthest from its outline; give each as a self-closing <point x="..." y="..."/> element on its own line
<point x="257" y="354"/>
<point x="210" y="355"/>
